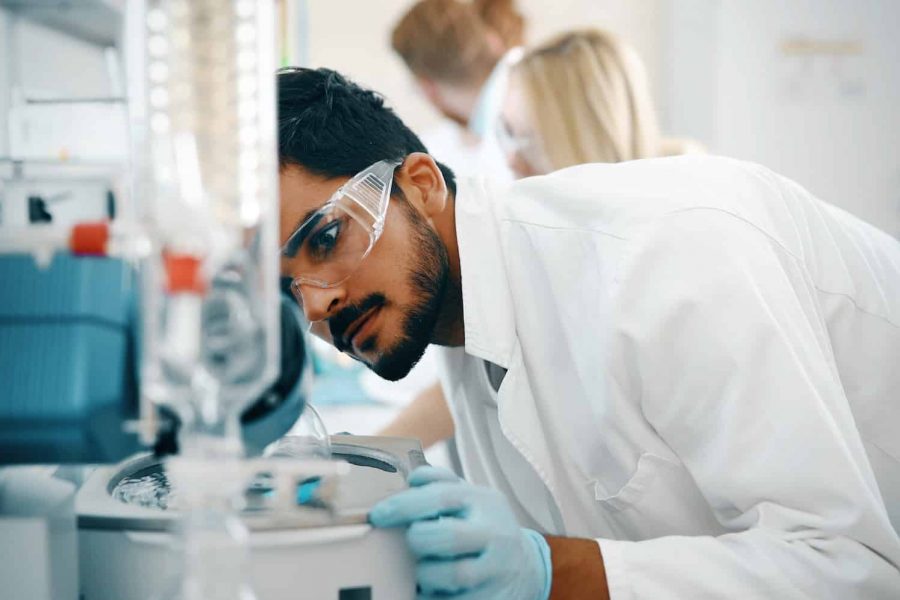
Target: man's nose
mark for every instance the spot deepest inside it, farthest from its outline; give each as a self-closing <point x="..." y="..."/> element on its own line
<point x="320" y="303"/>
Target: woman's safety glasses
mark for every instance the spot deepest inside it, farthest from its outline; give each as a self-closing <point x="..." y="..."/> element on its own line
<point x="332" y="242"/>
<point x="510" y="142"/>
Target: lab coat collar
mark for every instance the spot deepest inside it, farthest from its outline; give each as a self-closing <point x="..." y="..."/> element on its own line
<point x="490" y="331"/>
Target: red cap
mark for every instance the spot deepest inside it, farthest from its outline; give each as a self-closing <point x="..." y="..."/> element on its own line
<point x="89" y="239"/>
<point x="184" y="276"/>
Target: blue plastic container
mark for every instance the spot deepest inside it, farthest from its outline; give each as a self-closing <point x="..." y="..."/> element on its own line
<point x="66" y="359"/>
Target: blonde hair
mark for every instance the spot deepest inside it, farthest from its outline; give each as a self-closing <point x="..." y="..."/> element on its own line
<point x="447" y="40"/>
<point x="589" y="97"/>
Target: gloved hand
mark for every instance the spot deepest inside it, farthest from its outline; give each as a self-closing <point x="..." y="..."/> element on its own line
<point x="466" y="540"/>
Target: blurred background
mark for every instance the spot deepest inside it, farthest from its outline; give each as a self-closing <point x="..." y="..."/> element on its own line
<point x="808" y="88"/>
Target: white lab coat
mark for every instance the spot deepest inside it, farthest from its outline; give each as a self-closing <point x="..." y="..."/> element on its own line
<point x="703" y="374"/>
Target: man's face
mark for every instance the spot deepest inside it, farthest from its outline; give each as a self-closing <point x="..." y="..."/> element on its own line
<point x="383" y="315"/>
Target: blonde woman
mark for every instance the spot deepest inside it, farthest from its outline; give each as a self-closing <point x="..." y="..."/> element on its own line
<point x="582" y="97"/>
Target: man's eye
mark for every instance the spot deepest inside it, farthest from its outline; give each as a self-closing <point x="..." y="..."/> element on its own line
<point x="323" y="242"/>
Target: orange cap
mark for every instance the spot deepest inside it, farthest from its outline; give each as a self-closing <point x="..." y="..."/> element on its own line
<point x="184" y="276"/>
<point x="89" y="239"/>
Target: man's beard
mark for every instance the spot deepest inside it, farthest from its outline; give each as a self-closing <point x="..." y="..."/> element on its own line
<point x="429" y="276"/>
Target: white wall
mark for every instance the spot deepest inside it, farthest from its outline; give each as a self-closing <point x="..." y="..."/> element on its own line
<point x="354" y="38"/>
<point x="829" y="122"/>
<point x="54" y="63"/>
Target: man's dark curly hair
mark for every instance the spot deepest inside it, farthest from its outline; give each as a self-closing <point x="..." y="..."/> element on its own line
<point x="334" y="128"/>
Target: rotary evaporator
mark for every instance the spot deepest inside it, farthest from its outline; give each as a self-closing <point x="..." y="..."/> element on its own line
<point x="159" y="346"/>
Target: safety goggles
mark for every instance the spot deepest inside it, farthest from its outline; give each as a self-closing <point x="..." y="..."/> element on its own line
<point x="526" y="147"/>
<point x="330" y="244"/>
<point x="512" y="143"/>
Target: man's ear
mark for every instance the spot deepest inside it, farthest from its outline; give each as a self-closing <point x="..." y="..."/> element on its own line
<point x="421" y="174"/>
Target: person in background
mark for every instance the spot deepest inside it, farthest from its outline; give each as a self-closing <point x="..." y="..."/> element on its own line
<point x="582" y="97"/>
<point x="459" y="53"/>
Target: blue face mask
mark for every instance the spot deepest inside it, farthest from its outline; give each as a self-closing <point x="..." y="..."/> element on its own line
<point x="490" y="100"/>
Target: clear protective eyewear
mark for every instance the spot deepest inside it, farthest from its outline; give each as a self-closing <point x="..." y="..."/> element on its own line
<point x="509" y="142"/>
<point x="526" y="146"/>
<point x="330" y="244"/>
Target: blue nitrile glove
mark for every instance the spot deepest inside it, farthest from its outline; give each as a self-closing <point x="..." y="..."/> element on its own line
<point x="466" y="540"/>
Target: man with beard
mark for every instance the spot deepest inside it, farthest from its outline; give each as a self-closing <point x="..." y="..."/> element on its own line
<point x="669" y="378"/>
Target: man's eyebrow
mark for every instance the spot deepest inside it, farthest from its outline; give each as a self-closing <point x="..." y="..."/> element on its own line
<point x="304" y="219"/>
<point x="298" y="234"/>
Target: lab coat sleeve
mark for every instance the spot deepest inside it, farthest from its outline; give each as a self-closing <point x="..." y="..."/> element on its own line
<point x="737" y="377"/>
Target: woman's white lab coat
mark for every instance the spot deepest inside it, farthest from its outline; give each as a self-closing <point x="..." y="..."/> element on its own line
<point x="703" y="373"/>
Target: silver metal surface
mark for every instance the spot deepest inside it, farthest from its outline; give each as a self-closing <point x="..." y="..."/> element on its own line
<point x="379" y="468"/>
